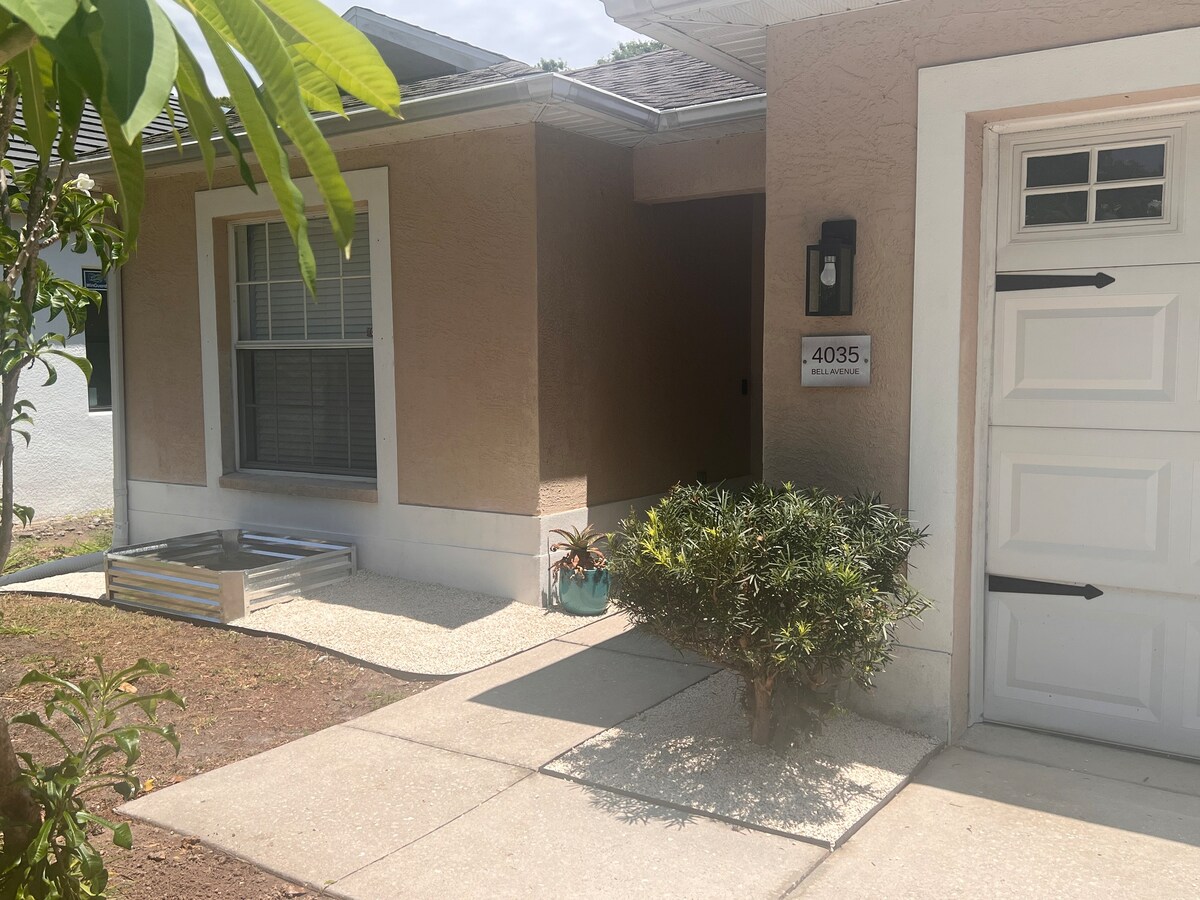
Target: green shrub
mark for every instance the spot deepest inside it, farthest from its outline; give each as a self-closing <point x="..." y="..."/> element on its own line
<point x="90" y="723"/>
<point x="795" y="584"/>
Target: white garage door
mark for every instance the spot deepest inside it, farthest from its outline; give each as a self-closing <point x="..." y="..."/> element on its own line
<point x="1093" y="545"/>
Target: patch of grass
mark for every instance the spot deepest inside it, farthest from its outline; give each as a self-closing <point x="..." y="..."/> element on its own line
<point x="380" y="699"/>
<point x="45" y="541"/>
<point x="16" y="630"/>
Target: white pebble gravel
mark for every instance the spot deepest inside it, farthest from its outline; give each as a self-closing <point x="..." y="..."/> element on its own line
<point x="694" y="750"/>
<point x="89" y="585"/>
<point x="426" y="629"/>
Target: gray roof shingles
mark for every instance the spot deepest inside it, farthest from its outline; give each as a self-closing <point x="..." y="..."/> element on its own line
<point x="663" y="80"/>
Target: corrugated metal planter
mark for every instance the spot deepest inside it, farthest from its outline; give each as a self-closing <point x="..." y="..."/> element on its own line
<point x="220" y="576"/>
<point x="584" y="594"/>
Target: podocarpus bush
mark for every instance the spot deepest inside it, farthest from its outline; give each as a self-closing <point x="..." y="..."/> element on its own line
<point x="770" y="583"/>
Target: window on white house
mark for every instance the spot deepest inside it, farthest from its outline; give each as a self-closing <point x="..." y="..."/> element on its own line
<point x="305" y="367"/>
<point x="96" y="344"/>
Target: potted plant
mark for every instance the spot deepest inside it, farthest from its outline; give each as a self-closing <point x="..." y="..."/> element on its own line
<point x="582" y="572"/>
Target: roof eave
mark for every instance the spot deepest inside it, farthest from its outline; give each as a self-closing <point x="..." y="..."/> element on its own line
<point x="541" y="89"/>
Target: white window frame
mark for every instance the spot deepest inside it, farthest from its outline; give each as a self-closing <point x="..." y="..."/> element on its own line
<point x="370" y="188"/>
<point x="238" y="344"/>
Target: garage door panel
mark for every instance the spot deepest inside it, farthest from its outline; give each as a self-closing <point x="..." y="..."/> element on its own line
<point x="1191" y="677"/>
<point x="1122" y="678"/>
<point x="1125" y="357"/>
<point x="1093" y="506"/>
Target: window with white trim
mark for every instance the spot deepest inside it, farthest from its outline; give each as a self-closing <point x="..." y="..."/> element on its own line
<point x="305" y="365"/>
<point x="1097" y="184"/>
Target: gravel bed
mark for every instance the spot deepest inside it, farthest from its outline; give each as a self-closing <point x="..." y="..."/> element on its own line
<point x="694" y="751"/>
<point x="425" y="629"/>
<point x="89" y="585"/>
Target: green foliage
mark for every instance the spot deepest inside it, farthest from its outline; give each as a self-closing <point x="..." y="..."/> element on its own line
<point x="770" y="583"/>
<point x="582" y="551"/>
<point x="91" y="722"/>
<point x="630" y="49"/>
<point x="280" y="58"/>
<point x="552" y="65"/>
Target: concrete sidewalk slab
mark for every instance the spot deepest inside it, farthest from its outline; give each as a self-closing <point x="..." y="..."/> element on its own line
<point x="617" y="633"/>
<point x="529" y="708"/>
<point x="1163" y="772"/>
<point x="694" y="751"/>
<point x="547" y="838"/>
<point x="975" y="825"/>
<point x="324" y="806"/>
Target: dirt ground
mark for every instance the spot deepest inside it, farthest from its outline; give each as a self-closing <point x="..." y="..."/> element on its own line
<point x="45" y="540"/>
<point x="244" y="695"/>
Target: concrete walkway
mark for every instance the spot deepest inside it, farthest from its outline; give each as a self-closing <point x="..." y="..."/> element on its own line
<point x="441" y="795"/>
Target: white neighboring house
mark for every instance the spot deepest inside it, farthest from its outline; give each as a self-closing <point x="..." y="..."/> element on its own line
<point x="68" y="466"/>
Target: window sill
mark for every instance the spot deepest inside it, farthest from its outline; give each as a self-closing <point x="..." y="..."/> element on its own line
<point x="303" y="486"/>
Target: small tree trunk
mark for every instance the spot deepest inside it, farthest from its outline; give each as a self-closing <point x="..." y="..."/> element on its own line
<point x="8" y="399"/>
<point x="762" y="713"/>
<point x="16" y="806"/>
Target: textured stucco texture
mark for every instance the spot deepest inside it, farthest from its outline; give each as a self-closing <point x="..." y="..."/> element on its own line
<point x="841" y="143"/>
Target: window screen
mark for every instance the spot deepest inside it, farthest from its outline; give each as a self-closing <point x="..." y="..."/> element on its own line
<point x="305" y="367"/>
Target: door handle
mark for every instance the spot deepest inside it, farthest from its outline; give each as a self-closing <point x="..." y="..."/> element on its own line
<point x="1042" y="282"/>
<point x="1002" y="584"/>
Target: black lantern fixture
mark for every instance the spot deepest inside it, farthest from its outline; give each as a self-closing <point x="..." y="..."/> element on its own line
<point x="831" y="270"/>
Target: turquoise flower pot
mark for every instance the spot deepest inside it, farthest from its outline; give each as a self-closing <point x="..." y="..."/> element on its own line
<point x="584" y="595"/>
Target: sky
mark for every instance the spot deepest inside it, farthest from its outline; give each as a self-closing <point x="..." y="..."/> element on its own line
<point x="578" y="31"/>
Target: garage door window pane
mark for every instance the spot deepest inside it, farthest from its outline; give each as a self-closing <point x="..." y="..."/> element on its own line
<point x="1130" y="203"/>
<point x="1056" y="209"/>
<point x="1131" y="163"/>
<point x="1060" y="169"/>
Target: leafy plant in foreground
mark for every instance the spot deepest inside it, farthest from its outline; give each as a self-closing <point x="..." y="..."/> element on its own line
<point x="773" y="584"/>
<point x="91" y="722"/>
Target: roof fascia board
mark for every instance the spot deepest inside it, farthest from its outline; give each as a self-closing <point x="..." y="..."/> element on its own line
<point x="536" y="90"/>
<point x="429" y="43"/>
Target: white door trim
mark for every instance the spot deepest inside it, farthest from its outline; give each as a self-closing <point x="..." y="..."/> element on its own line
<point x="946" y="96"/>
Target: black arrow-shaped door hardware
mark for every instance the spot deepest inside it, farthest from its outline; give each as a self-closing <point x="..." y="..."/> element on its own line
<point x="1002" y="584"/>
<point x="1043" y="282"/>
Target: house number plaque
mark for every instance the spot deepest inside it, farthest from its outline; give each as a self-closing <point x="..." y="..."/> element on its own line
<point x="836" y="361"/>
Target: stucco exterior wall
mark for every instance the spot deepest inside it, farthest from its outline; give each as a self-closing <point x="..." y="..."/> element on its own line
<point x="689" y="170"/>
<point x="842" y="92"/>
<point x="644" y="331"/>
<point x="843" y="95"/>
<point x="68" y="466"/>
<point x="464" y="293"/>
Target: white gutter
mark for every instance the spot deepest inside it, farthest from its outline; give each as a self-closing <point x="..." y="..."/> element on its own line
<point x="550" y="88"/>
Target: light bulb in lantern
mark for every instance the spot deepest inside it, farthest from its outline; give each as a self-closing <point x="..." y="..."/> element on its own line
<point x="829" y="273"/>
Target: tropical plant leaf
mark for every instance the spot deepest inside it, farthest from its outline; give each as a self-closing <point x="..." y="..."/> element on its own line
<point x="138" y="52"/>
<point x="205" y="115"/>
<point x="340" y="50"/>
<point x="45" y="17"/>
<point x="316" y="88"/>
<point x="265" y="142"/>
<point x="265" y="51"/>
<point x="131" y="174"/>
<point x="41" y="122"/>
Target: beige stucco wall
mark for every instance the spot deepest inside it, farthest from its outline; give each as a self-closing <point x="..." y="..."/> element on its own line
<point x="842" y="93"/>
<point x="464" y="288"/>
<point x="842" y="142"/>
<point x="716" y="167"/>
<point x="645" y="331"/>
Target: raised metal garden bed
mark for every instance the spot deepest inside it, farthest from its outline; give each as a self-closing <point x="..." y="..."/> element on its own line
<point x="220" y="576"/>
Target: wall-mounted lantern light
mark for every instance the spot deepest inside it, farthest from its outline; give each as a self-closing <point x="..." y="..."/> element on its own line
<point x="831" y="270"/>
